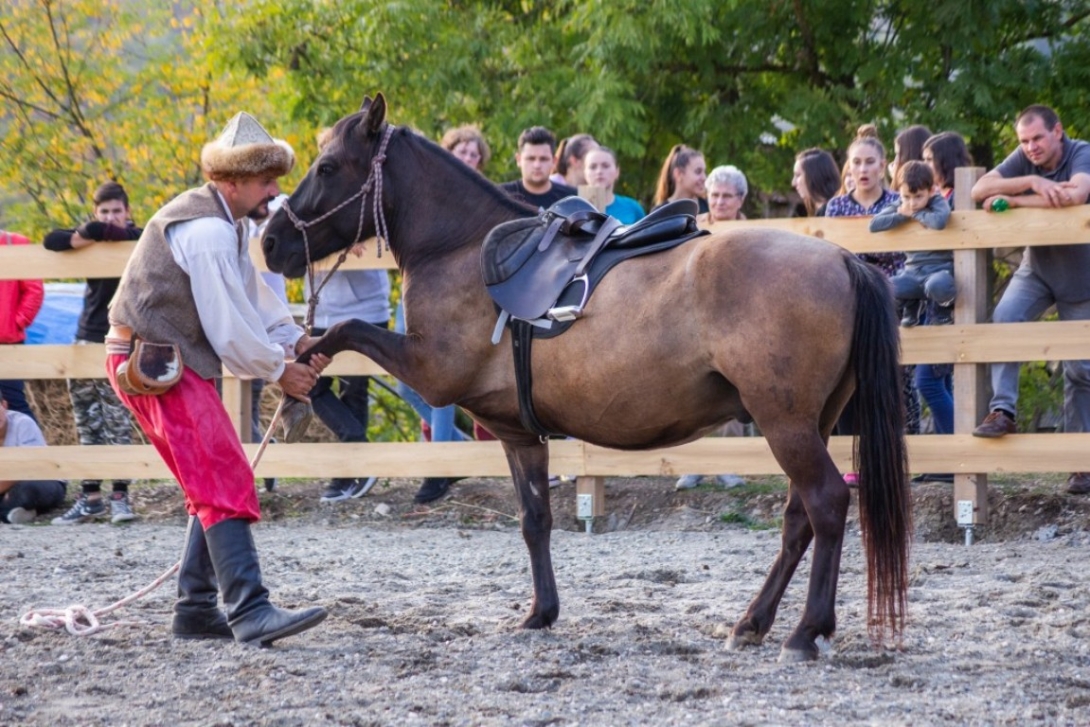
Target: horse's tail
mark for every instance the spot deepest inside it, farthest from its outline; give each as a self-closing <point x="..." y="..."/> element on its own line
<point x="885" y="513"/>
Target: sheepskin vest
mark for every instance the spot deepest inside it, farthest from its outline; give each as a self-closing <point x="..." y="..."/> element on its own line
<point x="155" y="298"/>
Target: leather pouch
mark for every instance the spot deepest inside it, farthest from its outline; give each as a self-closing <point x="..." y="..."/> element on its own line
<point x="151" y="369"/>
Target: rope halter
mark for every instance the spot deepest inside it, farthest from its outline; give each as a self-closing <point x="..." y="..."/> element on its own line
<point x="373" y="182"/>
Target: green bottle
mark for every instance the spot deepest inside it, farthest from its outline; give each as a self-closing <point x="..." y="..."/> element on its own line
<point x="1000" y="205"/>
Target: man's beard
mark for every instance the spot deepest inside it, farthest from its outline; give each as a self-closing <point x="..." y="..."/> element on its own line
<point x="261" y="211"/>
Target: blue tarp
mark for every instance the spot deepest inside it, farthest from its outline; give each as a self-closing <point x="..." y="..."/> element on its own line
<point x="56" y="321"/>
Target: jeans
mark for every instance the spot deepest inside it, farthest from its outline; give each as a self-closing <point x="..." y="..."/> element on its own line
<point x="932" y="282"/>
<point x="935" y="382"/>
<point x="1026" y="299"/>
<point x="37" y="495"/>
<point x="441" y="419"/>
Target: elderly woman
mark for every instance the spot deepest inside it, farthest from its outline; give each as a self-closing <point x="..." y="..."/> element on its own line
<point x="727" y="189"/>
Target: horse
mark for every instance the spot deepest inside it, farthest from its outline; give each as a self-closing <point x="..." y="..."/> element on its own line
<point x="754" y="325"/>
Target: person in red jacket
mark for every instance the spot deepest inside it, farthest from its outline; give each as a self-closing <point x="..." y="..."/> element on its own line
<point x="20" y="301"/>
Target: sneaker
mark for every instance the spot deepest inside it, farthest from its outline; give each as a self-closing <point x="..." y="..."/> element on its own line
<point x="997" y="424"/>
<point x="555" y="481"/>
<point x="1077" y="484"/>
<point x="83" y="510"/>
<point x="120" y="509"/>
<point x="21" y="516"/>
<point x="851" y="479"/>
<point x="940" y="315"/>
<point x="432" y="488"/>
<point x="688" y="482"/>
<point x="340" y="488"/>
<point x="728" y="481"/>
<point x="931" y="477"/>
<point x="361" y="486"/>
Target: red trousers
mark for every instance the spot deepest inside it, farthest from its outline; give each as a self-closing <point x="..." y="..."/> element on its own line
<point x="193" y="434"/>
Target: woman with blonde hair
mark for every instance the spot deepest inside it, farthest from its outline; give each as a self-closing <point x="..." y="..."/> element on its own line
<point x="468" y="144"/>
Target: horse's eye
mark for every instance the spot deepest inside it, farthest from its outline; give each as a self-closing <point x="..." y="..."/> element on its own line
<point x="325" y="169"/>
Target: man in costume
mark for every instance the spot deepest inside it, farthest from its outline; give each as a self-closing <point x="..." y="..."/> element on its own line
<point x="190" y="282"/>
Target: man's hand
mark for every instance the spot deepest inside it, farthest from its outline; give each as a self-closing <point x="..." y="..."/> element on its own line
<point x="298" y="379"/>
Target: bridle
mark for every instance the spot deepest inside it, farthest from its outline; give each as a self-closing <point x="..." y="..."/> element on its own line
<point x="373" y="181"/>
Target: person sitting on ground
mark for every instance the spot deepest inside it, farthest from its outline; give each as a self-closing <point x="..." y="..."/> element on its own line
<point x="1051" y="170"/>
<point x="682" y="177"/>
<point x="535" y="159"/>
<point x="928" y="276"/>
<point x="101" y="419"/>
<point x="23" y="500"/>
<point x="602" y="170"/>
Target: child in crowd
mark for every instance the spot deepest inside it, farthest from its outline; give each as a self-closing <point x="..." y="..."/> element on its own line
<point x="928" y="276"/>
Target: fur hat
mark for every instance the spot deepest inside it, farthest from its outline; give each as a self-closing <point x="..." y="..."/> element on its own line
<point x="245" y="149"/>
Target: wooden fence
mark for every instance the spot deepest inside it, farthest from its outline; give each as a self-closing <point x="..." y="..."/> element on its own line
<point x="969" y="344"/>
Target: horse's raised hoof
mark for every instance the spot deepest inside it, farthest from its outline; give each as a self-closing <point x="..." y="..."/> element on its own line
<point x="737" y="642"/>
<point x="295" y="418"/>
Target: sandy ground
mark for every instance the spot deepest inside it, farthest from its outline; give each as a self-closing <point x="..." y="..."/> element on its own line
<point x="424" y="612"/>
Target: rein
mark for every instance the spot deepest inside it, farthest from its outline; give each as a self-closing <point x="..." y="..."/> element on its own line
<point x="373" y="181"/>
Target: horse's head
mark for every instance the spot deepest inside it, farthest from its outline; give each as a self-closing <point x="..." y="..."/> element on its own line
<point x="334" y="204"/>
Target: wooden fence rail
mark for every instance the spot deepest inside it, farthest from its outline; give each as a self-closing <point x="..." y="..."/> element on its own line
<point x="969" y="344"/>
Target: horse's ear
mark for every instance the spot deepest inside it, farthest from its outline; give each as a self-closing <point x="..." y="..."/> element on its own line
<point x="366" y="103"/>
<point x="374" y="113"/>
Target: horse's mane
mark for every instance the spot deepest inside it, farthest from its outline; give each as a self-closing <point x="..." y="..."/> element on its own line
<point x="434" y="153"/>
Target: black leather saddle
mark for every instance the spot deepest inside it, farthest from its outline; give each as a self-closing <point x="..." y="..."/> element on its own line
<point x="528" y="264"/>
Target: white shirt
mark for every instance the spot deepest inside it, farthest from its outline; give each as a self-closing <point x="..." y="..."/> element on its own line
<point x="22" y="431"/>
<point x="249" y="327"/>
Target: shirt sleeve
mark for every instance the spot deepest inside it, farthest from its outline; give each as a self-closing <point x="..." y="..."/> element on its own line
<point x="935" y="214"/>
<point x="1015" y="165"/>
<point x="887" y="219"/>
<point x="249" y="329"/>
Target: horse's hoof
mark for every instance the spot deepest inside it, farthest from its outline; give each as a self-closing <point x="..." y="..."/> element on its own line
<point x="737" y="642"/>
<point x="295" y="418"/>
<point x="793" y="656"/>
<point x="536" y="622"/>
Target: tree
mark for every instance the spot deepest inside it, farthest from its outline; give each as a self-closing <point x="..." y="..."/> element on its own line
<point x="93" y="90"/>
<point x="749" y="82"/>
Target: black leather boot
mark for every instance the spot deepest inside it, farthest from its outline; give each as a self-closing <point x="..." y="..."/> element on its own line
<point x="196" y="615"/>
<point x="252" y="618"/>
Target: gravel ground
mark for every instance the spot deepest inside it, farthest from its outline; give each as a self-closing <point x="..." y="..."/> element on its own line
<point x="423" y="629"/>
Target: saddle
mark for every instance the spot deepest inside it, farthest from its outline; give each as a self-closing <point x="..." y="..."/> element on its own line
<point x="151" y="368"/>
<point x="527" y="264"/>
<point x="541" y="272"/>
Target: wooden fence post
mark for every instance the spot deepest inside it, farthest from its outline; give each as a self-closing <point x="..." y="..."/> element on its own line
<point x="970" y="387"/>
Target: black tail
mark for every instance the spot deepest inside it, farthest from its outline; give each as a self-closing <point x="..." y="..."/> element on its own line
<point x="885" y="510"/>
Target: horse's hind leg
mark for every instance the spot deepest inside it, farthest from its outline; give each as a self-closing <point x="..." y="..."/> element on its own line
<point x="759" y="617"/>
<point x="818" y="492"/>
<point x="530" y="470"/>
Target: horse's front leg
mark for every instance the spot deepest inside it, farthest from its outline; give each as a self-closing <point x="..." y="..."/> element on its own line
<point x="529" y="464"/>
<point x="388" y="349"/>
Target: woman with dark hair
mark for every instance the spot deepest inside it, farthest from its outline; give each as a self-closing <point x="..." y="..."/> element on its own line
<point x="682" y="176"/>
<point x="816" y="178"/>
<point x="568" y="163"/>
<point x="944" y="153"/>
<point x="908" y="147"/>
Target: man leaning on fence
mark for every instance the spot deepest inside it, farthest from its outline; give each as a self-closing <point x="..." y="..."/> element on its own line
<point x="1048" y="169"/>
<point x="190" y="283"/>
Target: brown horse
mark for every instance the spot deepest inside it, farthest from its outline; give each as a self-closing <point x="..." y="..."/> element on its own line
<point x="754" y="325"/>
